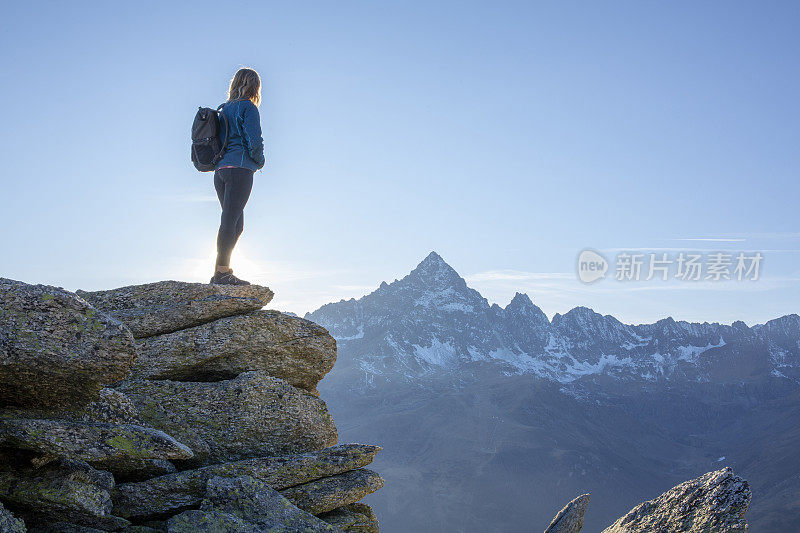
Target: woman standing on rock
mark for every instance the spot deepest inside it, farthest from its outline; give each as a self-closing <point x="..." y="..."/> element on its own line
<point x="233" y="176"/>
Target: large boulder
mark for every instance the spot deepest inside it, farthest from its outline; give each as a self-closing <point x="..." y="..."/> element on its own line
<point x="94" y="442"/>
<point x="9" y="523"/>
<point x="259" y="507"/>
<point x="296" y="350"/>
<point x="714" y="502"/>
<point x="164" y="494"/>
<point x="63" y="490"/>
<point x="56" y="350"/>
<point x="252" y="415"/>
<point x="328" y="493"/>
<point x="353" y="518"/>
<point x="570" y="518"/>
<point x="167" y="306"/>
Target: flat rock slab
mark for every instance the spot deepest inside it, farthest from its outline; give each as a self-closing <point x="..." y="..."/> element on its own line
<point x="259" y="507"/>
<point x="162" y="495"/>
<point x="714" y="502"/>
<point x="63" y="490"/>
<point x="353" y="518"/>
<point x="296" y="350"/>
<point x="570" y="518"/>
<point x="90" y="441"/>
<point x="252" y="415"/>
<point x="56" y="350"/>
<point x="328" y="493"/>
<point x="167" y="306"/>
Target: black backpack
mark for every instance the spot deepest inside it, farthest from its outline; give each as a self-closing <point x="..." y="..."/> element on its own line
<point x="207" y="147"/>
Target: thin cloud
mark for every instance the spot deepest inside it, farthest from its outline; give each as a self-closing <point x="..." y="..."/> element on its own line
<point x="711" y="239"/>
<point x="705" y="250"/>
<point x="500" y="275"/>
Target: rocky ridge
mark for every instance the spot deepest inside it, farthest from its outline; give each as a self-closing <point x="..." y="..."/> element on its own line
<point x="170" y="407"/>
<point x="715" y="502"/>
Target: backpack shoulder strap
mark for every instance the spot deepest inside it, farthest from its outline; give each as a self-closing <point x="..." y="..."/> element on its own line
<point x="225" y="120"/>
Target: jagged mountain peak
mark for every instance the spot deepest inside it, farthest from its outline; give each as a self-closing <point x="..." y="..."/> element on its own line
<point x="787" y="324"/>
<point x="521" y="307"/>
<point x="434" y="271"/>
<point x="520" y="299"/>
<point x="579" y="314"/>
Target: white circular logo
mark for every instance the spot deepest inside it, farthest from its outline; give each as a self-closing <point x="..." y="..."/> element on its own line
<point x="591" y="266"/>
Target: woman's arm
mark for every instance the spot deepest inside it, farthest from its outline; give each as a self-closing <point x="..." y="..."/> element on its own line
<point x="251" y="128"/>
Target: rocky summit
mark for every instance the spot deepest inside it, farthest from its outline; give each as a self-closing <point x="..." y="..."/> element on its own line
<point x="170" y="407"/>
<point x="716" y="501"/>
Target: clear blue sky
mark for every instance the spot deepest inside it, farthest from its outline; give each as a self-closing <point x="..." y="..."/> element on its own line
<point x="507" y="136"/>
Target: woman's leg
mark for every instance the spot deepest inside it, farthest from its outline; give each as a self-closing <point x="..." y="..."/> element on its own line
<point x="237" y="184"/>
<point x="239" y="228"/>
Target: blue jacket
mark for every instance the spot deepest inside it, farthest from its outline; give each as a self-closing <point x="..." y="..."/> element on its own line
<point x="245" y="145"/>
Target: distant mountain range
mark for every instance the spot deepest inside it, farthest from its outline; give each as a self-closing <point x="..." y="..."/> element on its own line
<point x="431" y="322"/>
<point x="492" y="418"/>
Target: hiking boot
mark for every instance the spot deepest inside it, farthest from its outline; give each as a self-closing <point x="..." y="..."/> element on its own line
<point x="227" y="278"/>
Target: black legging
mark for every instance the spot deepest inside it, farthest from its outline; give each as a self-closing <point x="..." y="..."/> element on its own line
<point x="233" y="189"/>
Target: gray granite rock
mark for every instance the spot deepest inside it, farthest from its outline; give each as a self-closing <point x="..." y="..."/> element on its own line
<point x="116" y="408"/>
<point x="56" y="350"/>
<point x="197" y="521"/>
<point x="64" y="527"/>
<point x="167" y="306"/>
<point x="286" y="347"/>
<point x="161" y="495"/>
<point x="353" y="518"/>
<point x="714" y="502"/>
<point x="328" y="493"/>
<point x="570" y="518"/>
<point x="60" y="491"/>
<point x="112" y="407"/>
<point x="256" y="503"/>
<point x="93" y="442"/>
<point x="9" y="523"/>
<point x="250" y="416"/>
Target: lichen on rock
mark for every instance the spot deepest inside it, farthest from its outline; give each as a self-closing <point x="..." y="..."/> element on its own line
<point x="62" y="490"/>
<point x="259" y="507"/>
<point x="90" y="441"/>
<point x="251" y="415"/>
<point x="328" y="493"/>
<point x="715" y="502"/>
<point x="56" y="350"/>
<point x="353" y="518"/>
<point x="160" y="495"/>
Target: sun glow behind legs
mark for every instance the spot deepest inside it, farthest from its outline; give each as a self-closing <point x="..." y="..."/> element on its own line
<point x="201" y="269"/>
<point x="298" y="287"/>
